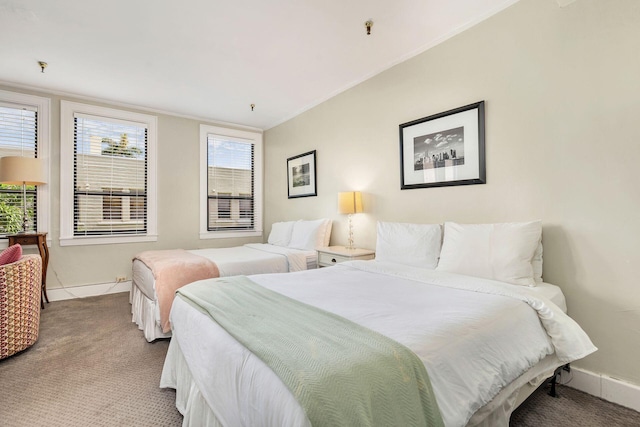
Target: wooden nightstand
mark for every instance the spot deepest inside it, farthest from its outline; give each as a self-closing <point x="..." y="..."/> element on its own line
<point x="40" y="240"/>
<point x="333" y="255"/>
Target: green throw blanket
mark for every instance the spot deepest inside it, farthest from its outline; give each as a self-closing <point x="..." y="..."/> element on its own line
<point x="341" y="373"/>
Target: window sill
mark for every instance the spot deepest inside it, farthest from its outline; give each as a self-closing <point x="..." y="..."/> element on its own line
<point x="106" y="240"/>
<point x="229" y="234"/>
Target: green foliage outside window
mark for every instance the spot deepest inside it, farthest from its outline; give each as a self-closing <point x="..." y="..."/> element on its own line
<point x="11" y="208"/>
<point x="120" y="148"/>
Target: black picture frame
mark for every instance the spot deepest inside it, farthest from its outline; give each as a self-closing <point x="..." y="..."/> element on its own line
<point x="301" y="175"/>
<point x="444" y="149"/>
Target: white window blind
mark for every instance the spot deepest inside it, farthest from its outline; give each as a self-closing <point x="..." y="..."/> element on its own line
<point x="230" y="184"/>
<point x="110" y="176"/>
<point x="18" y="137"/>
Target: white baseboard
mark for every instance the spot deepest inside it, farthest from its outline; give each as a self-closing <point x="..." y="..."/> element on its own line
<point x="603" y="386"/>
<point x="59" y="294"/>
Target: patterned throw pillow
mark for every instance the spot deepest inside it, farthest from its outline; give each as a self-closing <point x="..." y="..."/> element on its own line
<point x="11" y="254"/>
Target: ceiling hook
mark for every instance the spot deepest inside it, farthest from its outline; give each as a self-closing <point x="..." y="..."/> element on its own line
<point x="368" y="25"/>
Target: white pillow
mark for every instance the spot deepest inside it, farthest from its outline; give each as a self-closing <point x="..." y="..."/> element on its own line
<point x="536" y="263"/>
<point x="309" y="235"/>
<point x="417" y="245"/>
<point x="493" y="251"/>
<point x="327" y="232"/>
<point x="281" y="233"/>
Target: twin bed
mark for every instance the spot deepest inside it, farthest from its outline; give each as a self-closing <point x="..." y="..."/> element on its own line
<point x="470" y="306"/>
<point x="156" y="275"/>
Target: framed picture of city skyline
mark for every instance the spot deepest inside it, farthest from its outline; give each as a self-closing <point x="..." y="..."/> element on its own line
<point x="301" y="175"/>
<point x="444" y="149"/>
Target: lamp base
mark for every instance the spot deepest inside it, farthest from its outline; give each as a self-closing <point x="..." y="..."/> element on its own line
<point x="25" y="219"/>
<point x="350" y="236"/>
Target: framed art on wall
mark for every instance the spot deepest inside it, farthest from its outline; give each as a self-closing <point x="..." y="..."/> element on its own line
<point x="301" y="175"/>
<point x="444" y="149"/>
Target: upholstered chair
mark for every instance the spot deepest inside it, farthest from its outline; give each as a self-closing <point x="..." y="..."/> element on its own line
<point x="20" y="293"/>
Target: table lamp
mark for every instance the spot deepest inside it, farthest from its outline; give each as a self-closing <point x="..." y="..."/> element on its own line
<point x="350" y="202"/>
<point x="18" y="170"/>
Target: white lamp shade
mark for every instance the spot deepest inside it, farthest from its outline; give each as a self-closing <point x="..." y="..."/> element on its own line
<point x="349" y="202"/>
<point x="17" y="170"/>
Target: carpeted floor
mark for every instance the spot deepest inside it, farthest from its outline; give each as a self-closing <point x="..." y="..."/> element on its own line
<point x="92" y="367"/>
<point x="572" y="408"/>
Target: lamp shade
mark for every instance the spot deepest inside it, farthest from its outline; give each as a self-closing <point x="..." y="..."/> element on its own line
<point x="17" y="170"/>
<point x="349" y="202"/>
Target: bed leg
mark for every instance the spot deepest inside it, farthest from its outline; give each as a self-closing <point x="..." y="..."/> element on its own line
<point x="554" y="379"/>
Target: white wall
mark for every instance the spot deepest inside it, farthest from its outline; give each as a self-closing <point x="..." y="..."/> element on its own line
<point x="562" y="92"/>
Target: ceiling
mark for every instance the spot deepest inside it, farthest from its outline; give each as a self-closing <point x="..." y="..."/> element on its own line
<point x="212" y="59"/>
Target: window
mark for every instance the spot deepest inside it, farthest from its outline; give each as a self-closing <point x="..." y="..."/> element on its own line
<point x="230" y="182"/>
<point x="111" y="208"/>
<point x="107" y="175"/>
<point x="246" y="206"/>
<point x="224" y="205"/>
<point x="24" y="131"/>
<point x="137" y="206"/>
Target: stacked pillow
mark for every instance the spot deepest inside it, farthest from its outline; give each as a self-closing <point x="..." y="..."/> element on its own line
<point x="302" y="234"/>
<point x="417" y="245"/>
<point x="503" y="252"/>
<point x="281" y="233"/>
<point x="508" y="252"/>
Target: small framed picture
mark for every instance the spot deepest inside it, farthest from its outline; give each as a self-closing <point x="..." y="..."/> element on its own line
<point x="443" y="149"/>
<point x="301" y="175"/>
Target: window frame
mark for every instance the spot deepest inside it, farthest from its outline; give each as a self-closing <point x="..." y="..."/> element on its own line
<point x="68" y="110"/>
<point x="43" y="125"/>
<point x="254" y="137"/>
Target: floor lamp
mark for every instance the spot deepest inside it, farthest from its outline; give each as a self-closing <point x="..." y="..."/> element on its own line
<point x="18" y="170"/>
<point x="350" y="202"/>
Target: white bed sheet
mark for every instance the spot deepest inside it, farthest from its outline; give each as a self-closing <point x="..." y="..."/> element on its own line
<point x="252" y="258"/>
<point x="257" y="258"/>
<point x="551" y="292"/>
<point x="442" y="325"/>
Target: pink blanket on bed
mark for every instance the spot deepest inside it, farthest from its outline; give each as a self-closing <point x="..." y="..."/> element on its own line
<point x="172" y="269"/>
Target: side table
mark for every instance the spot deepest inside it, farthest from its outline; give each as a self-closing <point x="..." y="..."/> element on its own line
<point x="40" y="240"/>
<point x="332" y="255"/>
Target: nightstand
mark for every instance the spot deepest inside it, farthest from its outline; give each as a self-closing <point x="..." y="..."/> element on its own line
<point x="40" y="240"/>
<point x="333" y="255"/>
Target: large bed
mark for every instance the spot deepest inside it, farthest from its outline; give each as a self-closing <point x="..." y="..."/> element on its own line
<point x="485" y="343"/>
<point x="291" y="247"/>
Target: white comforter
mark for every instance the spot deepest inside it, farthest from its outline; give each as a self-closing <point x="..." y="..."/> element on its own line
<point x="254" y="258"/>
<point x="474" y="336"/>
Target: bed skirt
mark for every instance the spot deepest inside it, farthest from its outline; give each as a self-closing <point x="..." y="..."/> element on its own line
<point x="197" y="412"/>
<point x="189" y="401"/>
<point x="498" y="411"/>
<point x="144" y="313"/>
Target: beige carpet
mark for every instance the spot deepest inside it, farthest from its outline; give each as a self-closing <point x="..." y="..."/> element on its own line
<point x="92" y="367"/>
<point x="571" y="408"/>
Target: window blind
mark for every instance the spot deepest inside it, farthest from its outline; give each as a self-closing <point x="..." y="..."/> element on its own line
<point x="230" y="184"/>
<point x="18" y="137"/>
<point x="110" y="176"/>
